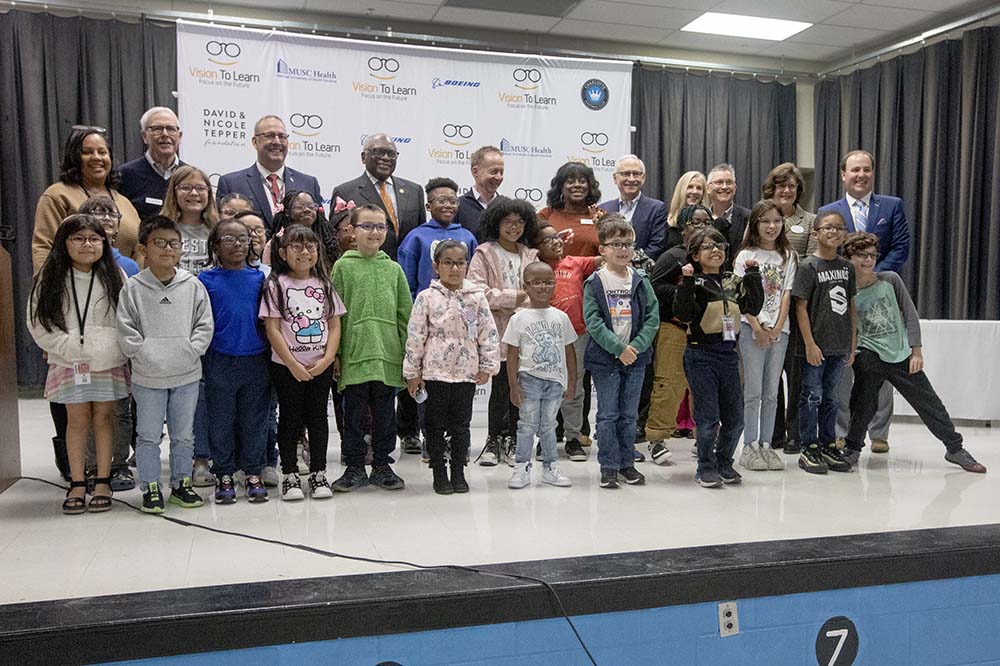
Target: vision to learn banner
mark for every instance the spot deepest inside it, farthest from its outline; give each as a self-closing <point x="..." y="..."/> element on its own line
<point x="438" y="104"/>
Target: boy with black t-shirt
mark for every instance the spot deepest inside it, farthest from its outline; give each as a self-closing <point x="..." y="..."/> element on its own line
<point x="824" y="307"/>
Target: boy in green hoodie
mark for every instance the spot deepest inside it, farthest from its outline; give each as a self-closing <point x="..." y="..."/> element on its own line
<point x="373" y="340"/>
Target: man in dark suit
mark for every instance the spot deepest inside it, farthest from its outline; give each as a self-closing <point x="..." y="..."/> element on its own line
<point x="402" y="200"/>
<point x="266" y="180"/>
<point x="487" y="176"/>
<point x="878" y="214"/>
<point x="648" y="216"/>
<point x="144" y="180"/>
<point x="730" y="219"/>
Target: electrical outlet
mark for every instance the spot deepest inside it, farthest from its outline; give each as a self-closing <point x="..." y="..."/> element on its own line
<point x="729" y="619"/>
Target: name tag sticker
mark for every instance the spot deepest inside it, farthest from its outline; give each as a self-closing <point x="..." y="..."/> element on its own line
<point x="154" y="201"/>
<point x="728" y="328"/>
<point x="81" y="373"/>
<point x="796" y="229"/>
<point x="586" y="220"/>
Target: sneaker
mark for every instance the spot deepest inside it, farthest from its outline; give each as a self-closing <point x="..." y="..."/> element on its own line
<point x="152" y="499"/>
<point x="201" y="474"/>
<point x="319" y="487"/>
<point x="708" y="479"/>
<point x="752" y="458"/>
<point x="552" y="476"/>
<point x="131" y="460"/>
<point x="585" y="441"/>
<point x="834" y="459"/>
<point x="491" y="453"/>
<point x="122" y="479"/>
<point x="184" y="496"/>
<point x="729" y="476"/>
<point x="509" y="450"/>
<point x="811" y="460"/>
<point x="538" y="452"/>
<point x="225" y="491"/>
<point x="632" y="476"/>
<point x="659" y="452"/>
<point x="256" y="492"/>
<point x="291" y="488"/>
<point x="964" y="459"/>
<point x="269" y="475"/>
<point x="792" y="447"/>
<point x="683" y="433"/>
<point x="772" y="459"/>
<point x="354" y="477"/>
<point x="383" y="477"/>
<point x="521" y="478"/>
<point x="851" y="455"/>
<point x="609" y="479"/>
<point x="410" y="444"/>
<point x="638" y="456"/>
<point x="574" y="451"/>
<point x="880" y="446"/>
<point x="301" y="453"/>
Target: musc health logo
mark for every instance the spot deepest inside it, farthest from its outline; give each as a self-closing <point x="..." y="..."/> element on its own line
<point x="526" y="78"/>
<point x="532" y="194"/>
<point x="594" y="142"/>
<point x="284" y="70"/>
<point x="302" y="124"/>
<point x="453" y="134"/>
<point x="226" y="52"/>
<point x="594" y="94"/>
<point x="383" y="69"/>
<point x="452" y="83"/>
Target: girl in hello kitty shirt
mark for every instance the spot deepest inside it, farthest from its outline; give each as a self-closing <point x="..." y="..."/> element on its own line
<point x="301" y="313"/>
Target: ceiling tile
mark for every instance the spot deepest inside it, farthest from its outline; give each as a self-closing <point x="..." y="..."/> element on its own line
<point x="865" y="16"/>
<point x="699" y="6"/>
<point x="411" y="11"/>
<point x="498" y="20"/>
<point x="812" y="11"/>
<point x="609" y="31"/>
<point x="630" y="14"/>
<point x="709" y="43"/>
<point x="815" y="52"/>
<point x="938" y="6"/>
<point x="834" y="35"/>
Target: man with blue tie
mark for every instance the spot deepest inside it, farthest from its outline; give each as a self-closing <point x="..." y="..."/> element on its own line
<point x="266" y="180"/>
<point x="648" y="216"/>
<point x="882" y="215"/>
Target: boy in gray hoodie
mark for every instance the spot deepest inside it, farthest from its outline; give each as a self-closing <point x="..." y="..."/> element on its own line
<point x="165" y="325"/>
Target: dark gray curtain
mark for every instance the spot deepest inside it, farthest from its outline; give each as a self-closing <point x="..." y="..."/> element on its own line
<point x="932" y="121"/>
<point x="693" y="120"/>
<point x="55" y="73"/>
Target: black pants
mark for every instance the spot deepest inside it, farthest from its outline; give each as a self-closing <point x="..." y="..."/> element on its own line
<point x="359" y="400"/>
<point x="869" y="373"/>
<point x="302" y="405"/>
<point x="502" y="421"/>
<point x="407" y="418"/>
<point x="786" y="418"/>
<point x="448" y="410"/>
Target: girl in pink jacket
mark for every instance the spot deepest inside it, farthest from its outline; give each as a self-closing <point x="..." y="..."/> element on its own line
<point x="452" y="345"/>
<point x="507" y="227"/>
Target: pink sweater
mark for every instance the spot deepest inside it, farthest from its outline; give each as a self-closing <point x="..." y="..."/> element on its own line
<point x="484" y="269"/>
<point x="451" y="336"/>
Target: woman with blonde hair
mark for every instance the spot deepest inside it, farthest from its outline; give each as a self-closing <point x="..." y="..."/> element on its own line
<point x="689" y="191"/>
<point x="191" y="204"/>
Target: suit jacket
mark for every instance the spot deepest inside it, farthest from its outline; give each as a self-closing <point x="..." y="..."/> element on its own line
<point x="649" y="220"/>
<point x="410" y="210"/>
<point x="733" y="229"/>
<point x="469" y="212"/>
<point x="249" y="183"/>
<point x="887" y="220"/>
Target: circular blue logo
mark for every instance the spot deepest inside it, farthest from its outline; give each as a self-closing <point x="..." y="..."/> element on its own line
<point x="594" y="94"/>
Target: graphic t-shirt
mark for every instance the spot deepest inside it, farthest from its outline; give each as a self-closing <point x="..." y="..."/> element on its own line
<point x="568" y="294"/>
<point x="541" y="336"/>
<point x="880" y="322"/>
<point x="307" y="306"/>
<point x="618" y="292"/>
<point x="510" y="267"/>
<point x="828" y="286"/>
<point x="776" y="275"/>
<point x="194" y="247"/>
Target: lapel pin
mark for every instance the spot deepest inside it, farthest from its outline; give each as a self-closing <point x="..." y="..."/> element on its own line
<point x="401" y="191"/>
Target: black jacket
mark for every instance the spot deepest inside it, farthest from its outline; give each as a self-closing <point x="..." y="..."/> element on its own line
<point x="699" y="302"/>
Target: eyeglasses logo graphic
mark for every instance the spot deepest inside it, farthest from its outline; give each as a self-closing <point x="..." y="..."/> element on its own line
<point x="594" y="142"/>
<point x="527" y="78"/>
<point x="383" y="69"/>
<point x="453" y="133"/>
<point x="532" y="194"/>
<point x="301" y="122"/>
<point x="227" y="52"/>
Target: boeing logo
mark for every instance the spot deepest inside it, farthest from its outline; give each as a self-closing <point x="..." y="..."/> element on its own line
<point x="286" y="71"/>
<point x="453" y="83"/>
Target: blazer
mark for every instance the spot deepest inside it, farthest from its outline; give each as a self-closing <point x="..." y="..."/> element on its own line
<point x="410" y="209"/>
<point x="249" y="183"/>
<point x="649" y="220"/>
<point x="733" y="229"/>
<point x="887" y="220"/>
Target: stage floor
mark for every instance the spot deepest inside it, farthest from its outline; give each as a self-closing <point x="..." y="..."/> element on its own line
<point x="45" y="555"/>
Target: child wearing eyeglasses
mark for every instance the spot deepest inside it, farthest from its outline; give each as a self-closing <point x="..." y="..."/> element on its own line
<point x="190" y="203"/>
<point x="711" y="302"/>
<point x="237" y="381"/>
<point x="622" y="316"/>
<point x="165" y="325"/>
<point x="370" y="358"/>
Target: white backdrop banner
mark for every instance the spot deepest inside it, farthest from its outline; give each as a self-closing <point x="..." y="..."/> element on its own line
<point x="438" y="104"/>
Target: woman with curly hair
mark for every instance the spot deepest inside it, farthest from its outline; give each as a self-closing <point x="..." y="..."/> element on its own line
<point x="572" y="200"/>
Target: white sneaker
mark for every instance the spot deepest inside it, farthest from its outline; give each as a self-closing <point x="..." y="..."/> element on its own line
<point x="552" y="476"/>
<point x="291" y="488"/>
<point x="659" y="452"/>
<point x="201" y="474"/>
<point x="521" y="478"/>
<point x="319" y="487"/>
<point x="772" y="459"/>
<point x="752" y="459"/>
<point x="269" y="476"/>
<point x="491" y="452"/>
<point x="302" y="458"/>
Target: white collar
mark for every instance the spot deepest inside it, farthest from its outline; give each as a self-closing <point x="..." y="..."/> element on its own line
<point x="481" y="198"/>
<point x="264" y="173"/>
<point x="867" y="199"/>
<point x="375" y="181"/>
<point x="624" y="204"/>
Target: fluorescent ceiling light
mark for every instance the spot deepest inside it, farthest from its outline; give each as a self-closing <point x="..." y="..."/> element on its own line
<point x="734" y="25"/>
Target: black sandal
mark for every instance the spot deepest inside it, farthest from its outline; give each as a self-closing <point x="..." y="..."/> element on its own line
<point x="100" y="503"/>
<point x="74" y="505"/>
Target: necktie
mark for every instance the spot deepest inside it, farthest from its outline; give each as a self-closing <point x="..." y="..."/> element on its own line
<point x="860" y="216"/>
<point x="383" y="192"/>
<point x="272" y="178"/>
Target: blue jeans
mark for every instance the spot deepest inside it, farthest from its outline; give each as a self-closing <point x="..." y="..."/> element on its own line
<point x="714" y="379"/>
<point x="540" y="403"/>
<point x="152" y="406"/>
<point x="618" y="390"/>
<point x="761" y="374"/>
<point x="237" y="395"/>
<point x="818" y="401"/>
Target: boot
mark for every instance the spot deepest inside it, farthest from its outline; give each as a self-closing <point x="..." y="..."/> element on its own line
<point x="62" y="458"/>
<point x="458" y="482"/>
<point x="442" y="486"/>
